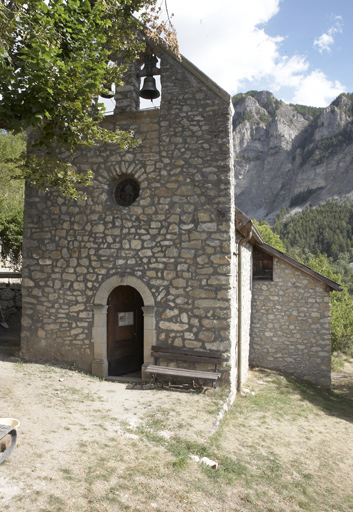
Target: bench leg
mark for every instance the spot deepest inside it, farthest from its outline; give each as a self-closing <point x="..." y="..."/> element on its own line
<point x="153" y="378"/>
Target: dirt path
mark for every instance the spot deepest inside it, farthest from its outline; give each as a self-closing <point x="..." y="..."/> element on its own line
<point x="62" y="410"/>
<point x="86" y="445"/>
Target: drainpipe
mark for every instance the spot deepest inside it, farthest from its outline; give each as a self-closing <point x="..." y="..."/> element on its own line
<point x="240" y="319"/>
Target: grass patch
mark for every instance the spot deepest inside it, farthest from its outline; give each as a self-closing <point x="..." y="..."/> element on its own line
<point x="284" y="446"/>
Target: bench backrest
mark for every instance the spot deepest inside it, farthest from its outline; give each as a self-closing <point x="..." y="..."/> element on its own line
<point x="187" y="354"/>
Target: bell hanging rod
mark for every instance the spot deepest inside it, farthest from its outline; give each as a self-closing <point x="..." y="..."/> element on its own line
<point x="150" y="66"/>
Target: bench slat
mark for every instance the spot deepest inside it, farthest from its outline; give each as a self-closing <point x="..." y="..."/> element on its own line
<point x="179" y="372"/>
<point x="188" y="351"/>
<point x="189" y="355"/>
<point x="182" y="357"/>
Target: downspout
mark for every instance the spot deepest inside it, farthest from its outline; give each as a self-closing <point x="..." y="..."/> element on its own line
<point x="240" y="319"/>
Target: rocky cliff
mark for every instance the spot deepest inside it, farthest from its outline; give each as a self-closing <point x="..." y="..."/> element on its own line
<point x="283" y="157"/>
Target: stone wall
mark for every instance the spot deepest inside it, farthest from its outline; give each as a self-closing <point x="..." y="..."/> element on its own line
<point x="244" y="306"/>
<point x="10" y="297"/>
<point x="290" y="328"/>
<point x="10" y="314"/>
<point x="175" y="244"/>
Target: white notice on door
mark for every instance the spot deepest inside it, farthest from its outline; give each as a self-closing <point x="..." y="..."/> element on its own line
<point x="126" y="318"/>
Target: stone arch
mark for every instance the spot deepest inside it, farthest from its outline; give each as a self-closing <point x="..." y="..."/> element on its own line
<point x="100" y="308"/>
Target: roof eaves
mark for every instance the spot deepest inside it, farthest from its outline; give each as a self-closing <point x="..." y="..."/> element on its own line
<point x="245" y="225"/>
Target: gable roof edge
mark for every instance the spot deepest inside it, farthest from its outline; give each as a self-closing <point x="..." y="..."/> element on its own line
<point x="211" y="84"/>
<point x="187" y="64"/>
<point x="246" y="227"/>
<point x="299" y="266"/>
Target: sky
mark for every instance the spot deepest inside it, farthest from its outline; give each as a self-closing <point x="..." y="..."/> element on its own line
<point x="300" y="50"/>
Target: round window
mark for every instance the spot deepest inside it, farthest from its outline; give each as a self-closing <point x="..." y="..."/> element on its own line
<point x="126" y="191"/>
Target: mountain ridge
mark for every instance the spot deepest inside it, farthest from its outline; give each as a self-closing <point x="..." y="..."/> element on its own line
<point x="291" y="155"/>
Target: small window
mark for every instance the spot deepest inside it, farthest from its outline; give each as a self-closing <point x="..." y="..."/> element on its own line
<point x="262" y="265"/>
<point x="126" y="191"/>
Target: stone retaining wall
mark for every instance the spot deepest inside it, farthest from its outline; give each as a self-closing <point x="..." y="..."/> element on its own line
<point x="290" y="328"/>
<point x="10" y="298"/>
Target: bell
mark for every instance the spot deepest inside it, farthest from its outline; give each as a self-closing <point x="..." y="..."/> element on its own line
<point x="149" y="90"/>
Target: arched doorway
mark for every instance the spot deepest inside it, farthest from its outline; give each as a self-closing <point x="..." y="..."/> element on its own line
<point x="100" y="316"/>
<point x="124" y="331"/>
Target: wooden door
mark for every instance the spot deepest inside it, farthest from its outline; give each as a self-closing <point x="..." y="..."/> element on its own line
<point x="125" y="331"/>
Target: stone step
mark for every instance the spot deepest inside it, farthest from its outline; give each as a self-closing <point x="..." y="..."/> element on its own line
<point x="9" y="348"/>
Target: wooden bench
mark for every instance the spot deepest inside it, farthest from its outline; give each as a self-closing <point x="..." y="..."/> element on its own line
<point x="188" y="355"/>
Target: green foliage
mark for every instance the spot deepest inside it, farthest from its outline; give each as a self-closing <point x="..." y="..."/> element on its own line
<point x="341" y="306"/>
<point x="348" y="95"/>
<point x="11" y="193"/>
<point x="303" y="196"/>
<point x="320" y="151"/>
<point x="321" y="264"/>
<point x="54" y="58"/>
<point x="306" y="111"/>
<point x="11" y="190"/>
<point x="282" y="213"/>
<point x="345" y="106"/>
<point x="271" y="106"/>
<point x="322" y="238"/>
<point x="247" y="116"/>
<point x="269" y="236"/>
<point x="11" y="231"/>
<point x="264" y="118"/>
<point x="47" y="169"/>
<point x="329" y="146"/>
<point x="342" y="266"/>
<point x="241" y="95"/>
<point x="326" y="229"/>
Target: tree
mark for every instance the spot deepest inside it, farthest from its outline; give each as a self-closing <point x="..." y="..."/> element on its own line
<point x="12" y="148"/>
<point x="269" y="237"/>
<point x="55" y="58"/>
<point x="341" y="306"/>
<point x="11" y="193"/>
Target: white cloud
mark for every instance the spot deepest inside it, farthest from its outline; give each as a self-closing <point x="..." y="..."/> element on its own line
<point x="227" y="40"/>
<point x="316" y="90"/>
<point x="326" y="40"/>
<point x="288" y="71"/>
<point x="224" y="40"/>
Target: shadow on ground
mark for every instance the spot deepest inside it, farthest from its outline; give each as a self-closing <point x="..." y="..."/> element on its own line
<point x="336" y="402"/>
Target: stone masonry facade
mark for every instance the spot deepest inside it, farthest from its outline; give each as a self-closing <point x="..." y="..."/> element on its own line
<point x="175" y="244"/>
<point x="290" y="329"/>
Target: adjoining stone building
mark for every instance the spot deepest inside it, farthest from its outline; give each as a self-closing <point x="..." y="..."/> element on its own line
<point x="290" y="313"/>
<point x="158" y="254"/>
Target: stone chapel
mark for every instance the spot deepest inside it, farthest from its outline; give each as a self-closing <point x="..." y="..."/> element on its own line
<point x="159" y="254"/>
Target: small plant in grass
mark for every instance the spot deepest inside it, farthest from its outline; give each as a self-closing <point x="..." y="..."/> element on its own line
<point x="228" y="470"/>
<point x="67" y="474"/>
<point x="181" y="461"/>
<point x="150" y="435"/>
<point x="56" y="503"/>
